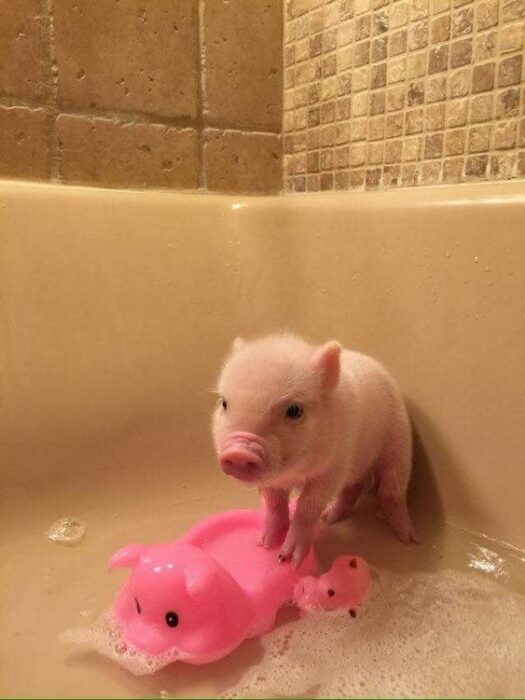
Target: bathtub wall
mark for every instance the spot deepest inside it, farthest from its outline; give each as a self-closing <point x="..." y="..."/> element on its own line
<point x="128" y="93"/>
<point x="406" y="92"/>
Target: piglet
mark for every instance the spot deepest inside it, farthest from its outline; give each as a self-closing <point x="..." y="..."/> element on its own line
<point x="320" y="419"/>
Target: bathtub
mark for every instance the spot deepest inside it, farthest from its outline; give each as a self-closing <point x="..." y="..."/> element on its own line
<point x="116" y="309"/>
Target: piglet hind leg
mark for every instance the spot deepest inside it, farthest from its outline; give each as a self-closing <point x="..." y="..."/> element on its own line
<point x="341" y="508"/>
<point x="393" y="474"/>
<point x="277" y="519"/>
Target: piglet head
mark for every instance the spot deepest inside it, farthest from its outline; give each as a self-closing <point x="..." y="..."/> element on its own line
<point x="274" y="394"/>
<point x="179" y="599"/>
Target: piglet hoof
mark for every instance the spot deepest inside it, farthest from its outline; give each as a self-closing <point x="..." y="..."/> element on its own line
<point x="295" y="549"/>
<point x="400" y="521"/>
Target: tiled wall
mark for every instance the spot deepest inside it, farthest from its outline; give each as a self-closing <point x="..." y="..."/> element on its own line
<point x="381" y="93"/>
<point x="142" y="93"/>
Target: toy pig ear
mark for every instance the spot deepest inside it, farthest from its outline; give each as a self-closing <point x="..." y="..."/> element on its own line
<point x="126" y="557"/>
<point x="326" y="359"/>
<point x="199" y="579"/>
<point x="238" y="344"/>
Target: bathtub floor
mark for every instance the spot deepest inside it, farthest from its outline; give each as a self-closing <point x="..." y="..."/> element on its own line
<point x="47" y="588"/>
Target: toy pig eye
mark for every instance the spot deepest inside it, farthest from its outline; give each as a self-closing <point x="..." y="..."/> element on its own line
<point x="137" y="605"/>
<point x="172" y="619"/>
<point x="224" y="404"/>
<point x="294" y="411"/>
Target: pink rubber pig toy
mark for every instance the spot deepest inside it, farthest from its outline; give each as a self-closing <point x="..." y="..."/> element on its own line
<point x="199" y="597"/>
<point x="343" y="586"/>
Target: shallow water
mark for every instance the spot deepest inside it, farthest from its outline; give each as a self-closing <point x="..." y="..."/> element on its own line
<point x="453" y="602"/>
<point x="419" y="635"/>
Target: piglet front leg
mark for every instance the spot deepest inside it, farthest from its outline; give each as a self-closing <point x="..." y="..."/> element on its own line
<point x="310" y="504"/>
<point x="277" y="517"/>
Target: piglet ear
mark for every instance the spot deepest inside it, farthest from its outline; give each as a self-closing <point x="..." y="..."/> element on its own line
<point x="199" y="578"/>
<point x="326" y="360"/>
<point x="127" y="557"/>
<point x="238" y="344"/>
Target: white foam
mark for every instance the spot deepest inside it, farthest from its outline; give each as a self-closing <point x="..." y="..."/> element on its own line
<point x="104" y="637"/>
<point x="446" y="634"/>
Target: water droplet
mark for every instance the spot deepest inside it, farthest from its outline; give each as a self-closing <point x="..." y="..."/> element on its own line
<point x="447" y="254"/>
<point x="70" y="531"/>
<point x="164" y="694"/>
<point x="476" y="259"/>
<point x="487" y="268"/>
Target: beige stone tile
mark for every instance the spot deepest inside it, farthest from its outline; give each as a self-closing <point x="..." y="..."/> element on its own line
<point x="509" y="70"/>
<point x="418" y="9"/>
<point x="476" y="166"/>
<point x="505" y="134"/>
<point x="342" y="180"/>
<point x="431" y="172"/>
<point x="373" y="177"/>
<point x="357" y="177"/>
<point x="327" y="181"/>
<point x="433" y="145"/>
<point x="243" y="63"/>
<point x="485" y="46"/>
<point x="105" y="152"/>
<point x="461" y="53"/>
<point x="21" y="50"/>
<point x="436" y="88"/>
<point x="375" y="152"/>
<point x="501" y="165"/>
<point x="511" y="38"/>
<point x="130" y="56"/>
<point x="412" y="148"/>
<point x="242" y="162"/>
<point x="440" y="29"/>
<point x="479" y="138"/>
<point x="512" y="10"/>
<point x="414" y="121"/>
<point x="483" y="77"/>
<point x="462" y="22"/>
<point x="452" y="170"/>
<point x="410" y="174"/>
<point x="486" y="14"/>
<point x="378" y="49"/>
<point x="394" y="125"/>
<point x="521" y="163"/>
<point x="440" y="6"/>
<point x="435" y="117"/>
<point x="438" y="58"/>
<point x="455" y="141"/>
<point x="481" y="108"/>
<point x="24" y="143"/>
<point x="457" y="112"/>
<point x="508" y="103"/>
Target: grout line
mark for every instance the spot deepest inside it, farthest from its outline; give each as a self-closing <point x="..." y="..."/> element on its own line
<point x="132" y="117"/>
<point x="54" y="145"/>
<point x="201" y="87"/>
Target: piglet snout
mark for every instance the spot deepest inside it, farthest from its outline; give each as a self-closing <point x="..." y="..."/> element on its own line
<point x="243" y="457"/>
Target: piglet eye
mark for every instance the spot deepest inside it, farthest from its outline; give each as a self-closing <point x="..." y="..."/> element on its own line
<point x="137" y="605"/>
<point x="294" y="411"/>
<point x="224" y="404"/>
<point x="172" y="619"/>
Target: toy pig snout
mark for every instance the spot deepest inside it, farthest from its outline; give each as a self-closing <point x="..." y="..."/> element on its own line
<point x="146" y="638"/>
<point x="243" y="457"/>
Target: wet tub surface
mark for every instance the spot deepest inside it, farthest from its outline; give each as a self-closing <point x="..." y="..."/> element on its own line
<point x="116" y="309"/>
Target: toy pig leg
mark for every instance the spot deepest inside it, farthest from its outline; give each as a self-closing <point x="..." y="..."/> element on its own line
<point x="277" y="517"/>
<point x="340" y="508"/>
<point x="393" y="472"/>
